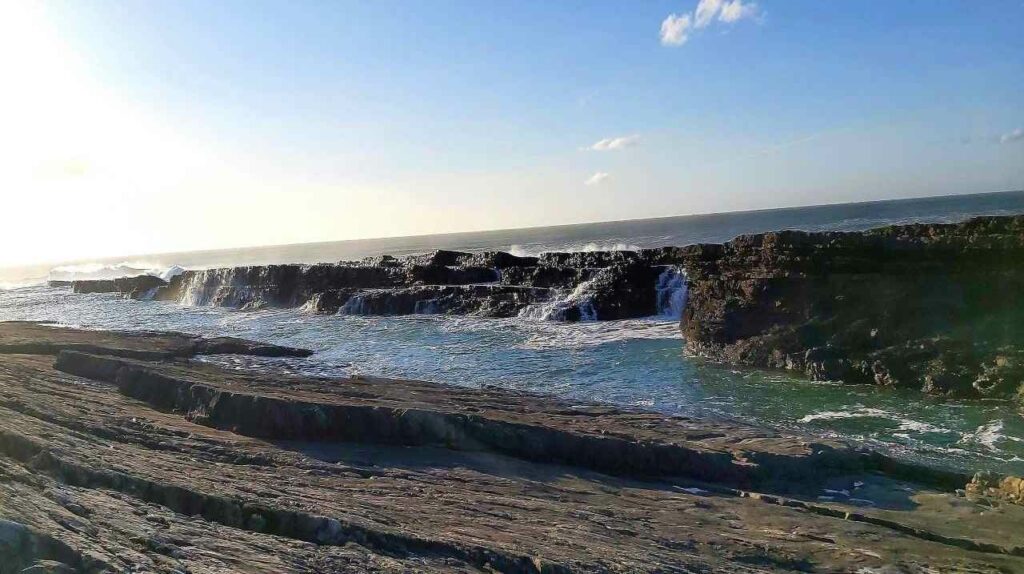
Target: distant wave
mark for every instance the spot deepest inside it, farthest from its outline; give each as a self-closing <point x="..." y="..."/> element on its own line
<point x="524" y="251"/>
<point x="100" y="271"/>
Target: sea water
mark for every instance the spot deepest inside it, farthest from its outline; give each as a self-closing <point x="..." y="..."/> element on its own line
<point x="638" y="363"/>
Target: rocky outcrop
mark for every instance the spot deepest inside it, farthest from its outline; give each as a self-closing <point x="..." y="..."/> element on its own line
<point x="931" y="307"/>
<point x="607" y="285"/>
<point x="1000" y="487"/>
<point x="135" y="287"/>
<point x="173" y="465"/>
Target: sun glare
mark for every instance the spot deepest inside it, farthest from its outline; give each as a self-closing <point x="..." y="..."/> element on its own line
<point x="67" y="141"/>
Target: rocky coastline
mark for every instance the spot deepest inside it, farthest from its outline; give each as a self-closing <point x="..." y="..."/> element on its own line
<point x="932" y="307"/>
<point x="127" y="452"/>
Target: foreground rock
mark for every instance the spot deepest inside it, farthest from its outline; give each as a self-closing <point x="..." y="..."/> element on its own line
<point x="21" y="337"/>
<point x="930" y="307"/>
<point x="115" y="464"/>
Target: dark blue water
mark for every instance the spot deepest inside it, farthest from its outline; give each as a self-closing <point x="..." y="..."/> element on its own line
<point x="640" y="233"/>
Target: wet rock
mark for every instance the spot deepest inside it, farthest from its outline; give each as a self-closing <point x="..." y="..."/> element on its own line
<point x="490" y="284"/>
<point x="444" y="275"/>
<point x="133" y="287"/>
<point x="584" y="259"/>
<point x="926" y="306"/>
<point x="421" y="285"/>
<point x="327" y="303"/>
<point x="25" y="337"/>
<point x="1002" y="487"/>
<point x="555" y="277"/>
<point x="497" y="260"/>
<point x="480" y="300"/>
<point x="440" y="258"/>
<point x="236" y="346"/>
<point x="49" y="567"/>
<point x="619" y="293"/>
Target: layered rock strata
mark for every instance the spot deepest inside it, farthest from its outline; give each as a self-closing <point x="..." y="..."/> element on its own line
<point x="114" y="464"/>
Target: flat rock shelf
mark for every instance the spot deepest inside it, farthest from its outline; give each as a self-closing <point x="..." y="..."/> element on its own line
<point x="126" y="452"/>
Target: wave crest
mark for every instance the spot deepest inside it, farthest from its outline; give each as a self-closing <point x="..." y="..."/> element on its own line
<point x="102" y="271"/>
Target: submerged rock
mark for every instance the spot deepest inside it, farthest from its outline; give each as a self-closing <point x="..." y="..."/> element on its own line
<point x="135" y="287"/>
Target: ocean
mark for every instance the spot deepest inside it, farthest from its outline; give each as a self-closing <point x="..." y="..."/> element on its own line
<point x="635" y="362"/>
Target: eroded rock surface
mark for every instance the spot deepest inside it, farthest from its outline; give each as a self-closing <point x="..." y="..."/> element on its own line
<point x="934" y="307"/>
<point x="115" y="464"/>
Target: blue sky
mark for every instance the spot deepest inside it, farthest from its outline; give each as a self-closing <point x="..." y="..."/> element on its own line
<point x="274" y="122"/>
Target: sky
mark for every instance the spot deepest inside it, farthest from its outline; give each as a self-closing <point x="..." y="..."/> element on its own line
<point x="142" y="127"/>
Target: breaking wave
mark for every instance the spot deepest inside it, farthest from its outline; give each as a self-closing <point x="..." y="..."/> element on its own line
<point x="101" y="271"/>
<point x="577" y="304"/>
<point x="536" y="250"/>
<point x="903" y="425"/>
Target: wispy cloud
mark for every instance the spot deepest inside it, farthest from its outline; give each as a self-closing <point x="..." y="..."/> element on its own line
<point x="610" y="144"/>
<point x="736" y="10"/>
<point x="1012" y="136"/>
<point x="597" y="179"/>
<point x="706" y="12"/>
<point x="676" y="28"/>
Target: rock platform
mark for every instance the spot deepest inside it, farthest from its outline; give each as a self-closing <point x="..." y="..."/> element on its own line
<point x="127" y="452"/>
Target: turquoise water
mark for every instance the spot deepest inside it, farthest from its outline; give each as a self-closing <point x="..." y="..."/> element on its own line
<point x="638" y="363"/>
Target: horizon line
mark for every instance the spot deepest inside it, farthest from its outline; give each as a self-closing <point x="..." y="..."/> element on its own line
<point x="212" y="250"/>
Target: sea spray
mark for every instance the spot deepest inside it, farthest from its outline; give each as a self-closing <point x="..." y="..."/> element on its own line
<point x="576" y="305"/>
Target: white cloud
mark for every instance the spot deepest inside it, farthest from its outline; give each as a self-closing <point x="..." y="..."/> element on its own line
<point x="706" y="12"/>
<point x="736" y="10"/>
<point x="674" y="29"/>
<point x="1015" y="135"/>
<point x="609" y="144"/>
<point x="597" y="179"/>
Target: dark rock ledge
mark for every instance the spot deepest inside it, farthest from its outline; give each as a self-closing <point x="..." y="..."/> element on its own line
<point x="602" y="285"/>
<point x="44" y="339"/>
<point x="115" y="464"/>
<point x="935" y="307"/>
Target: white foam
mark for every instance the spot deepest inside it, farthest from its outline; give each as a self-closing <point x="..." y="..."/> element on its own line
<point x="861" y="412"/>
<point x="920" y="427"/>
<point x="524" y="251"/>
<point x="987" y="435"/>
<point x="102" y="271"/>
<point x="693" y="490"/>
<point x="671" y="291"/>
<point x="904" y="424"/>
